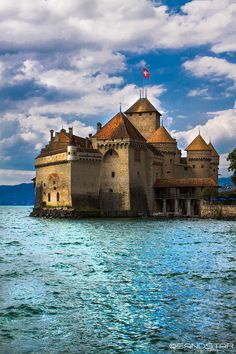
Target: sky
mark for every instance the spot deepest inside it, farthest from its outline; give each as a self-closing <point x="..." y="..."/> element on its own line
<point x="71" y="63"/>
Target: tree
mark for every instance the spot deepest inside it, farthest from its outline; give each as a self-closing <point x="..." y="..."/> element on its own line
<point x="232" y="166"/>
<point x="207" y="193"/>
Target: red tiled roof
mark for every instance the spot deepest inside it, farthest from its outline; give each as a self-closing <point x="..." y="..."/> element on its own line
<point x="198" y="144"/>
<point x="161" y="135"/>
<point x="185" y="182"/>
<point x="214" y="153"/>
<point x="119" y="127"/>
<point x="142" y="105"/>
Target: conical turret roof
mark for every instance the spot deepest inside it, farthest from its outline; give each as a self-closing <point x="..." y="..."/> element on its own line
<point x="142" y="105"/>
<point x="198" y="144"/>
<point x="214" y="153"/>
<point x="161" y="135"/>
<point x="119" y="127"/>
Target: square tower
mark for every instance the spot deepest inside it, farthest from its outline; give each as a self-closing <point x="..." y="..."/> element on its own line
<point x="144" y="116"/>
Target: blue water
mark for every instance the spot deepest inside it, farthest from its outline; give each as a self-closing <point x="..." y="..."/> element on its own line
<point x="114" y="286"/>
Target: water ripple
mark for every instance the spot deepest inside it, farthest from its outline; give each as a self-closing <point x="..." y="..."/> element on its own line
<point x="114" y="286"/>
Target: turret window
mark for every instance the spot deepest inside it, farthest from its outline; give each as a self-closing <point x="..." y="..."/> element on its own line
<point x="140" y="114"/>
<point x="58" y="196"/>
<point x="202" y="166"/>
<point x="49" y="197"/>
<point x="113" y="174"/>
<point x="193" y="166"/>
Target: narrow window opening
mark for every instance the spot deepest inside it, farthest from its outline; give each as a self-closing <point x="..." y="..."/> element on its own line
<point x="110" y="152"/>
<point x="49" y="197"/>
<point x="193" y="166"/>
<point x="54" y="182"/>
<point x="113" y="174"/>
<point x="58" y="196"/>
<point x="202" y="166"/>
<point x="185" y="168"/>
<point x="69" y="153"/>
<point x="140" y="114"/>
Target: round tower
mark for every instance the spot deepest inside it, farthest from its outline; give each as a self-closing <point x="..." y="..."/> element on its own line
<point x="199" y="157"/>
<point x="214" y="166"/>
<point x="72" y="150"/>
<point x="163" y="141"/>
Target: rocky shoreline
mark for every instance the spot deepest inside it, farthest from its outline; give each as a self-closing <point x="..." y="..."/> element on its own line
<point x="64" y="213"/>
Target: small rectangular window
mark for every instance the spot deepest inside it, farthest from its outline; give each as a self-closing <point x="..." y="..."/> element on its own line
<point x="193" y="166"/>
<point x="202" y="166"/>
<point x="49" y="197"/>
<point x="113" y="174"/>
<point x="185" y="168"/>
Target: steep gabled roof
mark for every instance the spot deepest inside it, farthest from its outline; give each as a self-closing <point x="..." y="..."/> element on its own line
<point x="198" y="144"/>
<point x="214" y="153"/>
<point x="161" y="135"/>
<point x="117" y="128"/>
<point x="142" y="105"/>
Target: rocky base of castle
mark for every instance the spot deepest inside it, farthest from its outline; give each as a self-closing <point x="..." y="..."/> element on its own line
<point x="220" y="212"/>
<point x="65" y="213"/>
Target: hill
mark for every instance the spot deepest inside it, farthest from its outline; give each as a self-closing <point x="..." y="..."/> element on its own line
<point x="21" y="194"/>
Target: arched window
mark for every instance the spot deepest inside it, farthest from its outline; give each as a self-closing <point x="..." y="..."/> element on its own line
<point x="49" y="197"/>
<point x="58" y="196"/>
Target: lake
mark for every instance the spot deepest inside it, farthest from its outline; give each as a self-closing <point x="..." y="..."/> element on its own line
<point x="115" y="285"/>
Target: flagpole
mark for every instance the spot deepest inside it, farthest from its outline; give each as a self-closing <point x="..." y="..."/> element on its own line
<point x="142" y="83"/>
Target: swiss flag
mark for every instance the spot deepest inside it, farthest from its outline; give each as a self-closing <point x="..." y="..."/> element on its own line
<point x="146" y="73"/>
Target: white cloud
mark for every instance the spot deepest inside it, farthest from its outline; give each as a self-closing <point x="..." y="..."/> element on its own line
<point x="118" y="24"/>
<point x="199" y="93"/>
<point x="211" y="67"/>
<point x="103" y="102"/>
<point x="221" y="129"/>
<point x="12" y="177"/>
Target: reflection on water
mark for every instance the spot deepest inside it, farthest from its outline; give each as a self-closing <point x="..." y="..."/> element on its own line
<point x="114" y="285"/>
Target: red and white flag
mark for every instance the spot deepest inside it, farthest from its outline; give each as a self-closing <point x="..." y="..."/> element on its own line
<point x="146" y="73"/>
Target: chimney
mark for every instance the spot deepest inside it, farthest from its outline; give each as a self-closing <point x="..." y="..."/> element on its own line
<point x="51" y="134"/>
<point x="70" y="130"/>
<point x="99" y="126"/>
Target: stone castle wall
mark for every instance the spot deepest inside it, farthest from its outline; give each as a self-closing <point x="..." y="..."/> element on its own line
<point x="114" y="181"/>
<point x="52" y="179"/>
<point x="210" y="211"/>
<point x="85" y="178"/>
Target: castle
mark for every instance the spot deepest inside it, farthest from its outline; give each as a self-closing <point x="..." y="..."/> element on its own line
<point x="131" y="166"/>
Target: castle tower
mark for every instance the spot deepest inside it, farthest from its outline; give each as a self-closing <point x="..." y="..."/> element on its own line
<point x="199" y="157"/>
<point x="72" y="150"/>
<point x="123" y="181"/>
<point x="144" y="116"/>
<point x="163" y="141"/>
<point x="214" y="163"/>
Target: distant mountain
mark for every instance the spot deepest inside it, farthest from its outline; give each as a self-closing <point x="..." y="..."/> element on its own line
<point x="226" y="182"/>
<point x="20" y="194"/>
